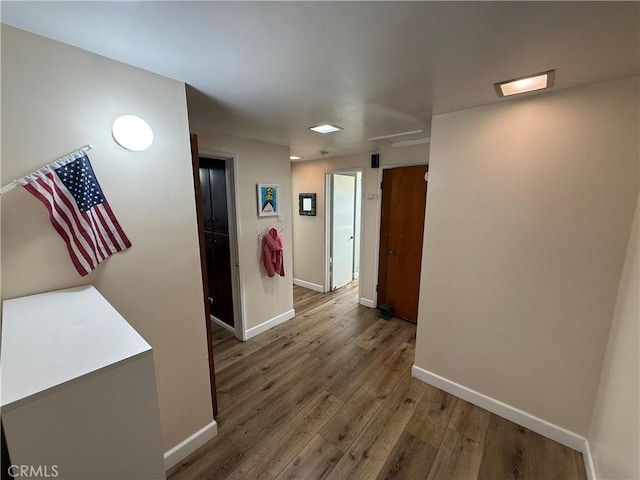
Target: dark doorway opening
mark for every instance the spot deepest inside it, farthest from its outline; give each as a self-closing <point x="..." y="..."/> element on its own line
<point x="213" y="186"/>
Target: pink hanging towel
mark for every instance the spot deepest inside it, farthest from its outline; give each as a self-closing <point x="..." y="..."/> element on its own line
<point x="272" y="253"/>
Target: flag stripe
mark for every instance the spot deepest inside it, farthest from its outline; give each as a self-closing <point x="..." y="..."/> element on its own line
<point x="81" y="266"/>
<point x="65" y="216"/>
<point x="64" y="222"/>
<point x="88" y="216"/>
<point x="125" y="241"/>
<point x="80" y="222"/>
<point x="101" y="251"/>
<point x="107" y="228"/>
<point x="120" y="244"/>
<point x="108" y="243"/>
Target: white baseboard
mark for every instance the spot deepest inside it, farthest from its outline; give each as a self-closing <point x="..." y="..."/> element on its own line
<point x="277" y="320"/>
<point x="190" y="445"/>
<point x="588" y="461"/>
<point x="217" y="321"/>
<point x="311" y="286"/>
<point x="538" y="425"/>
<point x="367" y="303"/>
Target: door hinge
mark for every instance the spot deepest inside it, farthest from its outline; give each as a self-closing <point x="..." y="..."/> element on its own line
<point x="376" y="288"/>
<point x="381" y="185"/>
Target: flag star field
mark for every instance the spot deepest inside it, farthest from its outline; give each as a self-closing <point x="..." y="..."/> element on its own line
<point x="81" y="182"/>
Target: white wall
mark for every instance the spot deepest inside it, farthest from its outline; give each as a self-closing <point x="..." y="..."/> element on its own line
<point x="614" y="436"/>
<point x="308" y="232"/>
<point x="264" y="298"/>
<point x="56" y="98"/>
<point x="529" y="210"/>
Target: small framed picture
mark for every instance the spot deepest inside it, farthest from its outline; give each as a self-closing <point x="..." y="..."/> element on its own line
<point x="307" y="204"/>
<point x="268" y="200"/>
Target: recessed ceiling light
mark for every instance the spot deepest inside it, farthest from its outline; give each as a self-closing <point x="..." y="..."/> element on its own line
<point x="529" y="83"/>
<point x="327" y="128"/>
<point x="295" y="157"/>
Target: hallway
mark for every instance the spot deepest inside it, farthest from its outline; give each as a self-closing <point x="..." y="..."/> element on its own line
<point x="329" y="394"/>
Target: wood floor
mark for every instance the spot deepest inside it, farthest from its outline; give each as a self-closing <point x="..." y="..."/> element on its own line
<point x="329" y="394"/>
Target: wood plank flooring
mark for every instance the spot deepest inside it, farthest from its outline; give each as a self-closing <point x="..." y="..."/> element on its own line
<point x="329" y="394"/>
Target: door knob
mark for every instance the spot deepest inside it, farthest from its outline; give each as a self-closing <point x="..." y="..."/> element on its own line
<point x="391" y="252"/>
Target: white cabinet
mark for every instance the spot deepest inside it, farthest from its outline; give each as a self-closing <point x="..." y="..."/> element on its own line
<point x="78" y="389"/>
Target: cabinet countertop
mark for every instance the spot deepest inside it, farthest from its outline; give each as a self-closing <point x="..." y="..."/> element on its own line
<point x="54" y="338"/>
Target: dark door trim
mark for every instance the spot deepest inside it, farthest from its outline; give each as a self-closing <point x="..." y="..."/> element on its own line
<point x="195" y="161"/>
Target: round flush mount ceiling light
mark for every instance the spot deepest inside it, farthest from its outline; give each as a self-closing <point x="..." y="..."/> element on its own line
<point x="132" y="133"/>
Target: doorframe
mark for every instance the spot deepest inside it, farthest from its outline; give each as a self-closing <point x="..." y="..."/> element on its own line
<point x="376" y="261"/>
<point x="230" y="162"/>
<point x="327" y="224"/>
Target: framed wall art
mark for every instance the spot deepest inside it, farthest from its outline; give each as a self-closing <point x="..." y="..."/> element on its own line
<point x="268" y="200"/>
<point x="307" y="204"/>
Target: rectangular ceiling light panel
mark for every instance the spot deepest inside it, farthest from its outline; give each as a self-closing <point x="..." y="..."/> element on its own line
<point x="327" y="128"/>
<point x="530" y="83"/>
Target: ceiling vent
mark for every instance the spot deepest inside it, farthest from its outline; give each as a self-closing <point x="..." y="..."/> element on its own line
<point x="403" y="139"/>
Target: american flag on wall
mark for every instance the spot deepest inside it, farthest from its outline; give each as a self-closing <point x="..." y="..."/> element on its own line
<point x="78" y="210"/>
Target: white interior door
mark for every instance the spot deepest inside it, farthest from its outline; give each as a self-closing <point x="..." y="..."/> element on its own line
<point x="342" y="232"/>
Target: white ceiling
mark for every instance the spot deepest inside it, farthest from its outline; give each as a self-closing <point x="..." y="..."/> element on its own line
<point x="269" y="70"/>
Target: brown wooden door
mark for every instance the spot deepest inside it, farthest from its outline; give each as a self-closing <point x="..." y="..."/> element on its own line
<point x="404" y="197"/>
<point x="203" y="266"/>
